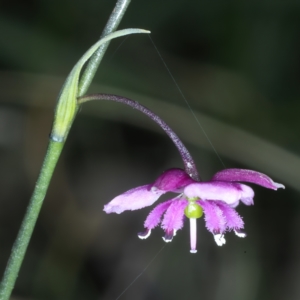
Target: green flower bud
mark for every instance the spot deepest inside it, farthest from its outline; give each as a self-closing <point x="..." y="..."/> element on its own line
<point x="67" y="102"/>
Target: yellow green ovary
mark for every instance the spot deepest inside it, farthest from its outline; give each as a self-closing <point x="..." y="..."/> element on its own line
<point x="193" y="210"/>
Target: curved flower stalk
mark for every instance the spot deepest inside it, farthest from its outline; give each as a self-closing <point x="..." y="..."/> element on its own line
<point x="189" y="164"/>
<point x="216" y="198"/>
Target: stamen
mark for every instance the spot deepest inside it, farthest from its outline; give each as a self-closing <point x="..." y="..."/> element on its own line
<point x="193" y="235"/>
<point x="145" y="234"/>
<point x="219" y="239"/>
<point x="239" y="233"/>
<point x="168" y="237"/>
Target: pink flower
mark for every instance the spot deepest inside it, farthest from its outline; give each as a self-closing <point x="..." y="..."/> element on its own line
<point x="216" y="198"/>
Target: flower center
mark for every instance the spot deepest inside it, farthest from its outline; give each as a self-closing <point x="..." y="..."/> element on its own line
<point x="193" y="209"/>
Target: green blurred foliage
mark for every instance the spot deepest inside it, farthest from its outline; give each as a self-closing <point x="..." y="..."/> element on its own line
<point x="237" y="63"/>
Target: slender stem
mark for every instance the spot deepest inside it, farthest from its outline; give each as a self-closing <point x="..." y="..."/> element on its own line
<point x="189" y="164"/>
<point x="50" y="160"/>
<point x="93" y="64"/>
<point x="27" y="226"/>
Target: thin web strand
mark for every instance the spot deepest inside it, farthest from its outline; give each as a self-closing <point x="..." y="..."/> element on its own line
<point x="144" y="270"/>
<point x="112" y="55"/>
<point x="187" y="103"/>
<point x="117" y="49"/>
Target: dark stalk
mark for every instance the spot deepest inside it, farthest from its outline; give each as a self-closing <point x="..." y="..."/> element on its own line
<point x="189" y="164"/>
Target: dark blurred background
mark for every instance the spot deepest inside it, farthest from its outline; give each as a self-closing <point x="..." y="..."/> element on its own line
<point x="237" y="63"/>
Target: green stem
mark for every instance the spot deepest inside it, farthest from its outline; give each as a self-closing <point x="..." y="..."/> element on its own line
<point x="94" y="62"/>
<point x="27" y="226"/>
<point x="50" y="160"/>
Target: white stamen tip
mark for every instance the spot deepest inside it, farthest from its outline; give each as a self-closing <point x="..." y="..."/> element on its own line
<point x="168" y="237"/>
<point x="240" y="234"/>
<point x="167" y="240"/>
<point x="193" y="251"/>
<point x="144" y="235"/>
<point x="219" y="239"/>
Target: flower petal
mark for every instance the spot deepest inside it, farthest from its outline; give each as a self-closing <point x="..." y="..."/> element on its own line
<point x="228" y="192"/>
<point x="247" y="195"/>
<point x="215" y="221"/>
<point x="133" y="199"/>
<point x="173" y="219"/>
<point x="154" y="217"/>
<point x="247" y="176"/>
<point x="172" y="180"/>
<point x="233" y="219"/>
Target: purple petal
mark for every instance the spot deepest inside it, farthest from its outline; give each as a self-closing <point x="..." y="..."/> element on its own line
<point x="214" y="218"/>
<point x="154" y="217"/>
<point x="247" y="176"/>
<point x="228" y="192"/>
<point x="233" y="219"/>
<point x="246" y="195"/>
<point x="133" y="199"/>
<point x="173" y="219"/>
<point x="172" y="180"/>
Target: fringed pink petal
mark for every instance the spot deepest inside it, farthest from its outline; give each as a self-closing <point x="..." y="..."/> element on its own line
<point x="233" y="219"/>
<point x="214" y="218"/>
<point x="155" y="215"/>
<point x="173" y="218"/>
